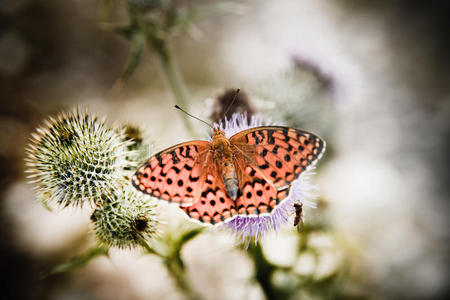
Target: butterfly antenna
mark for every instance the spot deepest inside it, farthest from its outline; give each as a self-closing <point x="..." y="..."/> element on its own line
<point x="177" y="107"/>
<point x="232" y="101"/>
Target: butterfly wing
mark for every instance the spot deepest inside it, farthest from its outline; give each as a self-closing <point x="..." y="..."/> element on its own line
<point x="174" y="174"/>
<point x="215" y="205"/>
<point x="186" y="174"/>
<point x="269" y="159"/>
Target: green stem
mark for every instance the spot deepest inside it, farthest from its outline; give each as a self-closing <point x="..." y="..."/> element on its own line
<point x="176" y="269"/>
<point x="173" y="76"/>
<point x="79" y="261"/>
<point x="137" y="47"/>
<point x="263" y="270"/>
<point x="263" y="273"/>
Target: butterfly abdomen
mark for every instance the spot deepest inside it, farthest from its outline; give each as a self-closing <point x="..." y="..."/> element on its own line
<point x="230" y="179"/>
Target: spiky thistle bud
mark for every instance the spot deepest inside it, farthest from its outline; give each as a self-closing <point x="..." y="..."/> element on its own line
<point x="76" y="158"/>
<point x="126" y="221"/>
<point x="138" y="143"/>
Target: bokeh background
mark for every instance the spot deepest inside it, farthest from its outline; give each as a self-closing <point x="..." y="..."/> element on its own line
<point x="371" y="77"/>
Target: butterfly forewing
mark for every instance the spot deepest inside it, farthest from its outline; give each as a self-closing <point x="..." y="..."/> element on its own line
<point x="175" y="174"/>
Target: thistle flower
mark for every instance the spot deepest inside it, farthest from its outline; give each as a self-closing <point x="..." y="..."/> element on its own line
<point x="308" y="90"/>
<point x="125" y="221"/>
<point x="248" y="228"/>
<point x="75" y="158"/>
<point x="221" y="105"/>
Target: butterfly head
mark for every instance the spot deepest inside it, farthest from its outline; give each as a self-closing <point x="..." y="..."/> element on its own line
<point x="218" y="132"/>
<point x="219" y="140"/>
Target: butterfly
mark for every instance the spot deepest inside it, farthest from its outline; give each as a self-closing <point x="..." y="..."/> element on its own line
<point x="249" y="173"/>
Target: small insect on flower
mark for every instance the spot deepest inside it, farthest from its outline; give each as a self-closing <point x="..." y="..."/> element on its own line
<point x="126" y="221"/>
<point x="76" y="158"/>
<point x="298" y="219"/>
<point x="244" y="177"/>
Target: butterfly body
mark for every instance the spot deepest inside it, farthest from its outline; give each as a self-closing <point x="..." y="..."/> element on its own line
<point x="249" y="173"/>
<point x="221" y="148"/>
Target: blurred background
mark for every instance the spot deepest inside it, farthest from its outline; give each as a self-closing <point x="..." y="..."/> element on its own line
<point x="370" y="77"/>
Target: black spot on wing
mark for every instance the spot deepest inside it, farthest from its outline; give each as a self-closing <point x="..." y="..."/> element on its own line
<point x="257" y="140"/>
<point x="175" y="158"/>
<point x="261" y="134"/>
<point x="275" y="149"/>
<point x="270" y="139"/>
<point x="285" y="133"/>
<point x="193" y="179"/>
<point x="264" y="152"/>
<point x="209" y="190"/>
<point x="158" y="157"/>
<point x="264" y="166"/>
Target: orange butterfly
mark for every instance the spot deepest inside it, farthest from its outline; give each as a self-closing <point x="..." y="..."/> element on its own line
<point x="249" y="173"/>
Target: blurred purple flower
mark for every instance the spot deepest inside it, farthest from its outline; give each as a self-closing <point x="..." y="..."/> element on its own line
<point x="248" y="228"/>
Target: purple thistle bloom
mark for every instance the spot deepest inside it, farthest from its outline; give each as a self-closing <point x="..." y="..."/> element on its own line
<point x="247" y="228"/>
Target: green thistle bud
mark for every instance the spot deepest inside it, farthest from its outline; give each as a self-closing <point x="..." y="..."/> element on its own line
<point x="75" y="158"/>
<point x="127" y="221"/>
<point x="136" y="140"/>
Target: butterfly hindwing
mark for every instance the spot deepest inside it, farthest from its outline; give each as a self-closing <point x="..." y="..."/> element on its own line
<point x="214" y="205"/>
